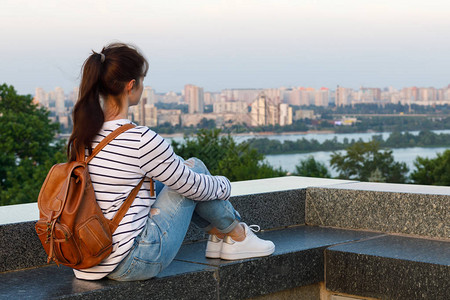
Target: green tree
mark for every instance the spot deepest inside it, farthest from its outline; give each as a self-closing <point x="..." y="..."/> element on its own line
<point x="366" y="161"/>
<point x="223" y="156"/>
<point x="432" y="171"/>
<point x="206" y="124"/>
<point x="311" y="168"/>
<point x="27" y="147"/>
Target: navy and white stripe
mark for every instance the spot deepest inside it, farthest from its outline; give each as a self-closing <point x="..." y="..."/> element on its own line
<point x="119" y="167"/>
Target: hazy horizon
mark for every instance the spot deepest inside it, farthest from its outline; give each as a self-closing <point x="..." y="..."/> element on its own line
<point x="232" y="44"/>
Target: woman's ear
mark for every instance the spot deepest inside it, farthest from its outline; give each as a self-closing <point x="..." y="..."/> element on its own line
<point x="130" y="85"/>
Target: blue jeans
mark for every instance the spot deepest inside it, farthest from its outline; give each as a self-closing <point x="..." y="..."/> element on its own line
<point x="169" y="219"/>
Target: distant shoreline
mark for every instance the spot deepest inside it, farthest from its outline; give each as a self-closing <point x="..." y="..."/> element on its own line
<point x="265" y="133"/>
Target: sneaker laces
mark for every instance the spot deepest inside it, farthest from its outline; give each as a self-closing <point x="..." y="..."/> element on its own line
<point x="254" y="228"/>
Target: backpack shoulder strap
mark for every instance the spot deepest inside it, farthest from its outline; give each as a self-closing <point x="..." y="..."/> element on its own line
<point x="108" y="139"/>
<point x="114" y="223"/>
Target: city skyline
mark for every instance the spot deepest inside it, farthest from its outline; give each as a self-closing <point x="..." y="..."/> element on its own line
<point x="232" y="44"/>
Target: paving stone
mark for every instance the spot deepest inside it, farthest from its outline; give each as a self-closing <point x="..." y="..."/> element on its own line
<point x="20" y="247"/>
<point x="390" y="267"/>
<point x="390" y="208"/>
<point x="297" y="261"/>
<point x="59" y="282"/>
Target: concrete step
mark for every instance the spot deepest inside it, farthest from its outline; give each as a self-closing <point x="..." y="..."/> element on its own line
<point x="390" y="267"/>
<point x="297" y="261"/>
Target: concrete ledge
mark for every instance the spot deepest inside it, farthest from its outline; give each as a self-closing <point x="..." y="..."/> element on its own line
<point x="20" y="213"/>
<point x="54" y="282"/>
<point x="390" y="267"/>
<point x="20" y="247"/>
<point x="284" y="206"/>
<point x="356" y="262"/>
<point x="297" y="261"/>
<point x="391" y="208"/>
<point x="270" y="185"/>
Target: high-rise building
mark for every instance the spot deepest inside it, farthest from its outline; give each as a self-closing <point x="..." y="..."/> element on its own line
<point x="274" y="95"/>
<point x="193" y="96"/>
<point x="294" y="96"/>
<point x="59" y="101"/>
<point x="285" y="114"/>
<point x="343" y="96"/>
<point x="321" y="97"/>
<point x="258" y="113"/>
<point x="40" y="97"/>
<point x="151" y="115"/>
<point x="148" y="95"/>
<point x="367" y="95"/>
<point x="263" y="112"/>
<point x="307" y="96"/>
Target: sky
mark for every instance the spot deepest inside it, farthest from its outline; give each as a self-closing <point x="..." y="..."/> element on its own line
<point x="231" y="44"/>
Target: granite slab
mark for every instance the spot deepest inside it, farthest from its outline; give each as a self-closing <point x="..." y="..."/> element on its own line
<point x="20" y="247"/>
<point x="390" y="267"/>
<point x="272" y="209"/>
<point x="297" y="261"/>
<point x="54" y="282"/>
<point x="390" y="208"/>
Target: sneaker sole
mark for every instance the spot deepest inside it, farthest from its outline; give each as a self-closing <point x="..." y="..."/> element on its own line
<point x="212" y="254"/>
<point x="245" y="255"/>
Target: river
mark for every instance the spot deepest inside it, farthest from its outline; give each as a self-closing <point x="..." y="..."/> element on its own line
<point x="289" y="161"/>
<point x="408" y="155"/>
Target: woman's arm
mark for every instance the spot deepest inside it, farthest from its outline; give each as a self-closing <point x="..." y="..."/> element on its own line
<point x="158" y="160"/>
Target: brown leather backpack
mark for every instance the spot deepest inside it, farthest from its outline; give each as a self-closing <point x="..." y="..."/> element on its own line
<point x="72" y="227"/>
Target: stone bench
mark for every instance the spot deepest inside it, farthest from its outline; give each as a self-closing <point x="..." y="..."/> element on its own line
<point x="329" y="244"/>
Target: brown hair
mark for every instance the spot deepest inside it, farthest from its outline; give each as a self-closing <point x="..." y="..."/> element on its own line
<point x="104" y="74"/>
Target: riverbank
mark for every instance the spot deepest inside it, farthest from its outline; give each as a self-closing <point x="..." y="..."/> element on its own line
<point x="263" y="133"/>
<point x="306" y="144"/>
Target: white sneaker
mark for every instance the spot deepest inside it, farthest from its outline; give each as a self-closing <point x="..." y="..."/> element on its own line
<point x="251" y="246"/>
<point x="213" y="246"/>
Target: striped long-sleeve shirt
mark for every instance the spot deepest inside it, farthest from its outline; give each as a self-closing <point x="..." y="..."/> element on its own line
<point x="119" y="167"/>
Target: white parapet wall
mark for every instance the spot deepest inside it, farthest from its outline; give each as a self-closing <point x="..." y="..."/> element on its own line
<point x="29" y="212"/>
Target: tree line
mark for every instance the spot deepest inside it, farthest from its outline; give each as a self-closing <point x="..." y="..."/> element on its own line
<point x="395" y="140"/>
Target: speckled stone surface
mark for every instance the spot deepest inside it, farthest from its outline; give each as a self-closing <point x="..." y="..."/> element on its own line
<point x="297" y="261"/>
<point x="309" y="292"/>
<point x="179" y="281"/>
<point x="272" y="210"/>
<point x="390" y="267"/>
<point x="390" y="208"/>
<point x="20" y="247"/>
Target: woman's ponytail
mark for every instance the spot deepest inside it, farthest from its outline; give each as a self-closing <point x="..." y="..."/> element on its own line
<point x="87" y="114"/>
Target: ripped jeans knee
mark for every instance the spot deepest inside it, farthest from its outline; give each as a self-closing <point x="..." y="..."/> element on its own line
<point x="196" y="165"/>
